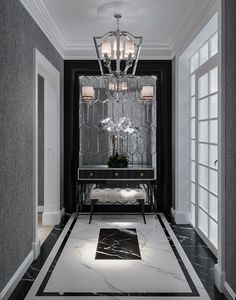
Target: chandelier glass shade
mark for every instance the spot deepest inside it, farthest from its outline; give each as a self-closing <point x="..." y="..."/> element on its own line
<point x="118" y="51"/>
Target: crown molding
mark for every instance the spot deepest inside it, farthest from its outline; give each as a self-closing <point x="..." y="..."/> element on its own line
<point x="43" y="19"/>
<point x="191" y="25"/>
<point x="183" y="33"/>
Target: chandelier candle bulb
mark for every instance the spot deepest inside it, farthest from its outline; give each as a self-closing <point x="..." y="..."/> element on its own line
<point x="147" y="92"/>
<point x="129" y="48"/>
<point x="88" y="93"/>
<point x="106" y="49"/>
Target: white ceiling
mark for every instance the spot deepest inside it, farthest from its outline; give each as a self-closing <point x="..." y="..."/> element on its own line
<point x="71" y="24"/>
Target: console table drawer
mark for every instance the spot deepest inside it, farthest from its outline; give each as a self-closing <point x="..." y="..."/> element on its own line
<point x="107" y="174"/>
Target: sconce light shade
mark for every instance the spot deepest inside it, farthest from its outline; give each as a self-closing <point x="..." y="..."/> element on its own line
<point x="147" y="93"/>
<point x="87" y="94"/>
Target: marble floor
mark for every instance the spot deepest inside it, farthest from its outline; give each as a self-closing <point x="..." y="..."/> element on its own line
<point x="73" y="272"/>
<point x="68" y="269"/>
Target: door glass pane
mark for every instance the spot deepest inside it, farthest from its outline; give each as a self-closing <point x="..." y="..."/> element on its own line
<point x="192" y="85"/>
<point x="213" y="163"/>
<point x="203" y="176"/>
<point x="193" y="107"/>
<point x="192" y="194"/>
<point x="203" y="154"/>
<point x="213" y="233"/>
<point x="193" y="171"/>
<point x="194" y="62"/>
<point x="203" y="54"/>
<point x="213" y="181"/>
<point x="203" y="131"/>
<point x="213" y="131"/>
<point x="203" y="221"/>
<point x="214" y="80"/>
<point x="203" y="109"/>
<point x="203" y="86"/>
<point x="213" y="206"/>
<point x="213" y="113"/>
<point x="193" y="150"/>
<point x="214" y="45"/>
<point x="193" y="128"/>
<point x="203" y="198"/>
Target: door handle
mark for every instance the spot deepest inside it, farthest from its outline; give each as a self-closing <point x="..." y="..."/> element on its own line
<point x="215" y="162"/>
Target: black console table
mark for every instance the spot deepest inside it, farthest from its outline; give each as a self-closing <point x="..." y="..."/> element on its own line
<point x="102" y="174"/>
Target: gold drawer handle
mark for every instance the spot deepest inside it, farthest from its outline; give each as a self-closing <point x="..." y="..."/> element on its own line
<point x="91" y="174"/>
<point x="141" y="174"/>
<point x="116" y="174"/>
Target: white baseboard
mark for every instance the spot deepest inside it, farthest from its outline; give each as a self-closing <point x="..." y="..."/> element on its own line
<point x="12" y="283"/>
<point x="40" y="208"/>
<point x="228" y="291"/>
<point x="52" y="218"/>
<point x="219" y="277"/>
<point x="180" y="217"/>
<point x="36" y="248"/>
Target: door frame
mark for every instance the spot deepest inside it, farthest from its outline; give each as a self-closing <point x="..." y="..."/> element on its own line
<point x="44" y="68"/>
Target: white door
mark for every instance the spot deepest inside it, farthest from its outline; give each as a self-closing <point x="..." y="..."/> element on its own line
<point x="206" y="152"/>
<point x="51" y="154"/>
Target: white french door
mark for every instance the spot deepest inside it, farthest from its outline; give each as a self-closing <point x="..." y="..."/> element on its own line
<point x="204" y="150"/>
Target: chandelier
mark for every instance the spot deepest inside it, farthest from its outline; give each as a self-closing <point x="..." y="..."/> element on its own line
<point x="117" y="51"/>
<point x="118" y="54"/>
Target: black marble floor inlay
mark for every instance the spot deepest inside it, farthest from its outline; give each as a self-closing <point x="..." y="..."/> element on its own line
<point x="118" y="244"/>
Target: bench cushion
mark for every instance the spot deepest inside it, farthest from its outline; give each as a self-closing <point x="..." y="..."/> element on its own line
<point x="118" y="196"/>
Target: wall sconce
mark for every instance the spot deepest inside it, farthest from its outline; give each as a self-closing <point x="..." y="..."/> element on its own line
<point x="87" y="94"/>
<point x="147" y="93"/>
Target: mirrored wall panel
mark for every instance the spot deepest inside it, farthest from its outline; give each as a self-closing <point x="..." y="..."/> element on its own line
<point x="117" y="118"/>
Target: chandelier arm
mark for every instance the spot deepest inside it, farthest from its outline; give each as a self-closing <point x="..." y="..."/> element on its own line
<point x="131" y="35"/>
<point x="137" y="56"/>
<point x="118" y="50"/>
<point x="109" y="33"/>
<point x="98" y="56"/>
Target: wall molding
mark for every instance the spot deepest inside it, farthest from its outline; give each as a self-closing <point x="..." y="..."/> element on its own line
<point x="43" y="19"/>
<point x="12" y="283"/>
<point x="228" y="291"/>
<point x="52" y="218"/>
<point x="180" y="217"/>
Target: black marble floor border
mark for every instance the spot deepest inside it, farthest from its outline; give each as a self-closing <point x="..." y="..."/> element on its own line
<point x="193" y="293"/>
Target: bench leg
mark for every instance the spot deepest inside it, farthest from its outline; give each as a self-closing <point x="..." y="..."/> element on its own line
<point x="93" y="202"/>
<point x="141" y="202"/>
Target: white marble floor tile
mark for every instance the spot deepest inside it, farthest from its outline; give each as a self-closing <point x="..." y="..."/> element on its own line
<point x="73" y="270"/>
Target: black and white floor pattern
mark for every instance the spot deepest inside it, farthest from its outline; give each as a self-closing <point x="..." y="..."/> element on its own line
<point x="162" y="271"/>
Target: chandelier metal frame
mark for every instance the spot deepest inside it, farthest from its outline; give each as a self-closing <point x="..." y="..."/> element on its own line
<point x="130" y="57"/>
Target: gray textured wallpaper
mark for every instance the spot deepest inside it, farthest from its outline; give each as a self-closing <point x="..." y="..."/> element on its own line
<point x="19" y="35"/>
<point x="230" y="142"/>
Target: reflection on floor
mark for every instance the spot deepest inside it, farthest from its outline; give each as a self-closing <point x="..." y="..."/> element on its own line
<point x="43" y="230"/>
<point x="72" y="272"/>
<point x="201" y="258"/>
